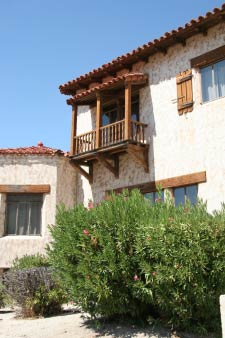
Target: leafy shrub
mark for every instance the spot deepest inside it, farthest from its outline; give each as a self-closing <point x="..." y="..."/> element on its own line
<point x="4" y="297"/>
<point x="30" y="261"/>
<point x="35" y="289"/>
<point x="130" y="257"/>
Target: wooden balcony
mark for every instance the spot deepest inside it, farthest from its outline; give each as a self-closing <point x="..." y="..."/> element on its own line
<point x="106" y="144"/>
<point x="112" y="139"/>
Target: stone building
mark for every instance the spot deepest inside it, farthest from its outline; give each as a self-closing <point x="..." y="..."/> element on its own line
<point x="155" y="116"/>
<point x="33" y="181"/>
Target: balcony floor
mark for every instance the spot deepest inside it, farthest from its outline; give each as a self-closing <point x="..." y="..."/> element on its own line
<point x="108" y="151"/>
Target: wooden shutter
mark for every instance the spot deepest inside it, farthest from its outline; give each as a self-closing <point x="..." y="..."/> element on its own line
<point x="184" y="92"/>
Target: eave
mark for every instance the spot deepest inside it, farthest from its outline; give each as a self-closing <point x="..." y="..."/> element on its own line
<point x="142" y="53"/>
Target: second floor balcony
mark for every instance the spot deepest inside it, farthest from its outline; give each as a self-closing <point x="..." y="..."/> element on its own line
<point x="110" y="136"/>
<point x="117" y="126"/>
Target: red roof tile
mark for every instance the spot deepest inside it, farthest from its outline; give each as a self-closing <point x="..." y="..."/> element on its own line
<point x="139" y="77"/>
<point x="40" y="149"/>
<point x="179" y="35"/>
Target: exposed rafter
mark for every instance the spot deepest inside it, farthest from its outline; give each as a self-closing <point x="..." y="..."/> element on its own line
<point x="87" y="174"/>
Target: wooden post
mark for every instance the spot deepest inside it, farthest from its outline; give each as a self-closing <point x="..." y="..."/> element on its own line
<point x="98" y="121"/>
<point x="127" y="111"/>
<point x="73" y="130"/>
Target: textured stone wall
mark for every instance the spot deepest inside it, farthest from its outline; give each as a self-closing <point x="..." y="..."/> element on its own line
<point x="66" y="183"/>
<point x="179" y="145"/>
<point x="31" y="169"/>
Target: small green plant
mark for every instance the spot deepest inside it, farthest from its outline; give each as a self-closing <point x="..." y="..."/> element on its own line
<point x="30" y="261"/>
<point x="128" y="256"/>
<point x="5" y="299"/>
<point x="34" y="286"/>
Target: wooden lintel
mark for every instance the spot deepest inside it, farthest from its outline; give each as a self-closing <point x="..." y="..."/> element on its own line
<point x="113" y="168"/>
<point x="87" y="175"/>
<point x="172" y="182"/>
<point x="140" y="156"/>
<point x="25" y="188"/>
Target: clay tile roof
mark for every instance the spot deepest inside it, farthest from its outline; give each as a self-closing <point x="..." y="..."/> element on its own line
<point x="178" y="35"/>
<point x="40" y="149"/>
<point x="129" y="77"/>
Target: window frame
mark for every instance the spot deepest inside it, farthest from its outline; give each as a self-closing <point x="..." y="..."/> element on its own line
<point x="24" y="198"/>
<point x="186" y="199"/>
<point x="212" y="65"/>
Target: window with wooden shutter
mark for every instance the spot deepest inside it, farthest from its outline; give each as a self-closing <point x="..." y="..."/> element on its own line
<point x="184" y="92"/>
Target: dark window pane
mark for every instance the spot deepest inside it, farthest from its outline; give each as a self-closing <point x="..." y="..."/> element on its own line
<point x="154" y="196"/>
<point x="191" y="193"/>
<point x="23" y="219"/>
<point x="159" y="196"/>
<point x="150" y="196"/>
<point x="35" y="218"/>
<point x="11" y="218"/>
<point x="179" y="196"/>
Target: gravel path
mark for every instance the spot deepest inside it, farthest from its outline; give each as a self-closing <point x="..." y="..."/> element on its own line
<point x="72" y="325"/>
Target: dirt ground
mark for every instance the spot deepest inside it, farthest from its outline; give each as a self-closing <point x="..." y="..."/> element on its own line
<point x="73" y="324"/>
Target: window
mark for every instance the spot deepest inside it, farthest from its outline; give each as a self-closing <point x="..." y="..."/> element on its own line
<point x="23" y="214"/>
<point x="182" y="194"/>
<point x="116" y="111"/>
<point x="154" y="196"/>
<point x="213" y="81"/>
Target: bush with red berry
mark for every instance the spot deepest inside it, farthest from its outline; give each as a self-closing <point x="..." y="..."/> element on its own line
<point x="127" y="256"/>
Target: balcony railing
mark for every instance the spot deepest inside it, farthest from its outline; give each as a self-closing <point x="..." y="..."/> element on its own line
<point x="109" y="135"/>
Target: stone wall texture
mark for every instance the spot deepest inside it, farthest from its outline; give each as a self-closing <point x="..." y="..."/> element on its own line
<point x="35" y="169"/>
<point x="179" y="145"/>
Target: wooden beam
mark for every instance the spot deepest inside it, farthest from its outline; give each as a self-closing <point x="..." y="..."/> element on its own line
<point x="25" y="188"/>
<point x="139" y="155"/>
<point x="87" y="175"/>
<point x="113" y="168"/>
<point x="98" y="120"/>
<point x="128" y="111"/>
<point x="180" y="40"/>
<point x="208" y="58"/>
<point x="73" y="130"/>
<point x="173" y="182"/>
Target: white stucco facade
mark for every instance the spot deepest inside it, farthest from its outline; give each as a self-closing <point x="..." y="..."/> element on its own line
<point x="178" y="144"/>
<point x="34" y="170"/>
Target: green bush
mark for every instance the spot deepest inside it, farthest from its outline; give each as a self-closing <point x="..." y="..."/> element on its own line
<point x="30" y="261"/>
<point x="127" y="256"/>
<point x="5" y="299"/>
<point x="34" y="287"/>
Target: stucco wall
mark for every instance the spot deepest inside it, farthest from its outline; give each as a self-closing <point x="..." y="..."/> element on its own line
<point x="179" y="145"/>
<point x="34" y="169"/>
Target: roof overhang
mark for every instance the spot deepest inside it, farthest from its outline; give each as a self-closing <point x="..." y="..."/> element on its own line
<point x="87" y="97"/>
<point x="142" y="53"/>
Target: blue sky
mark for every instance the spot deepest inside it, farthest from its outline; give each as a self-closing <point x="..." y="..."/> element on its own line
<point x="45" y="43"/>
